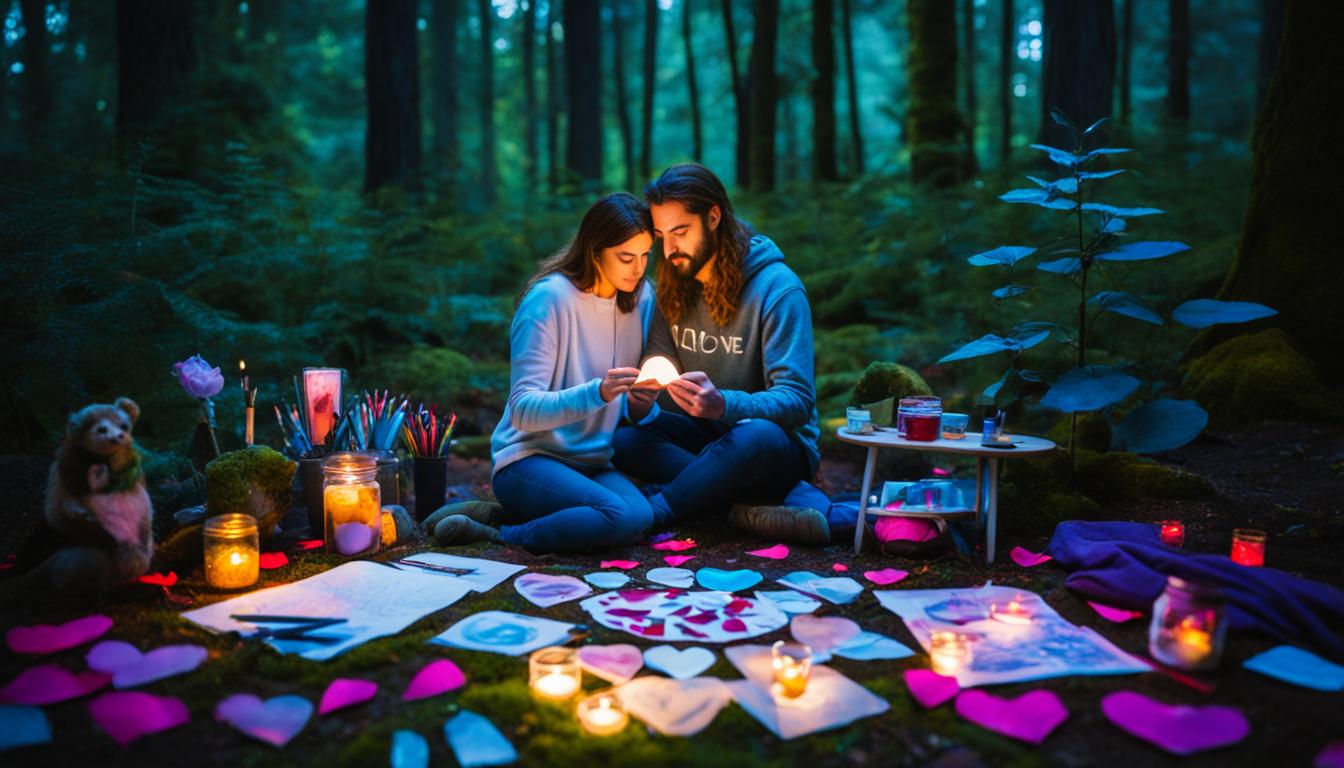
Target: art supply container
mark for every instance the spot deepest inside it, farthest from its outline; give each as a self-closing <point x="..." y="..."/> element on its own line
<point x="351" y="504"/>
<point x="431" y="485"/>
<point x="310" y="482"/>
<point x="920" y="418"/>
<point x="954" y="426"/>
<point x="1189" y="625"/>
<point x="388" y="476"/>
<point x="858" y="421"/>
<point x="231" y="548"/>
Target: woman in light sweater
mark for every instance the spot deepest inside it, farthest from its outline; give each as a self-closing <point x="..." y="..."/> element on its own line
<point x="573" y="347"/>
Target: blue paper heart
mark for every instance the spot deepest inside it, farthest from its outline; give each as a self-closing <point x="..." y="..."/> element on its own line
<point x="21" y="726"/>
<point x="727" y="581"/>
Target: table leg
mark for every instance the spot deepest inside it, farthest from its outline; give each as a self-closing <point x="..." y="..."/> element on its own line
<point x="979" y="490"/>
<point x="868" y="467"/>
<point x="991" y="510"/>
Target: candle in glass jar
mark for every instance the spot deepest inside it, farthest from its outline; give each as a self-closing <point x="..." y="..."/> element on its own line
<point x="1248" y="546"/>
<point x="602" y="715"/>
<point x="792" y="664"/>
<point x="351" y="504"/>
<point x="554" y="672"/>
<point x="230" y="546"/>
<point x="1190" y="643"/>
<point x="1172" y="533"/>
<point x="949" y="652"/>
<point x="1012" y="613"/>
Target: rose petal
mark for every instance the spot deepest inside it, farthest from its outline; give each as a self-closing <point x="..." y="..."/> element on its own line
<point x="310" y="544"/>
<point x="50" y="638"/>
<point x="885" y="576"/>
<point x="777" y="552"/>
<point x="624" y="565"/>
<point x="676" y="560"/>
<point x="436" y="677"/>
<point x="346" y="692"/>
<point x="1028" y="559"/>
<point x="1118" y="615"/>
<point x="272" y="560"/>
<point x="675" y="545"/>
<point x="164" y="580"/>
<point x="840" y="568"/>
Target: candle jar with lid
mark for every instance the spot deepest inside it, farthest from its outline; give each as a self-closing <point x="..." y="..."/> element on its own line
<point x="554" y="672"/>
<point x="919" y="418"/>
<point x="351" y="504"/>
<point x="1189" y="625"/>
<point x="231" y="549"/>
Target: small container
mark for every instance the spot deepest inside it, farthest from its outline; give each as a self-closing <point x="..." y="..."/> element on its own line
<point x="554" y="672"/>
<point x="388" y="476"/>
<point x="231" y="548"/>
<point x="1248" y="546"/>
<point x="431" y="485"/>
<point x="792" y="664"/>
<point x="1172" y="533"/>
<point x="920" y="418"/>
<point x="1189" y="625"/>
<point x="949" y="652"/>
<point x="859" y="421"/>
<point x="351" y="504"/>
<point x="602" y="714"/>
<point x="954" y="426"/>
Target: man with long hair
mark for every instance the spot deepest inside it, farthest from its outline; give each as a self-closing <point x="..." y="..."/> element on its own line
<point x="738" y="430"/>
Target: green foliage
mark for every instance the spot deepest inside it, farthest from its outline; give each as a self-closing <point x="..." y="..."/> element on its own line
<point x="1257" y="377"/>
<point x="255" y="480"/>
<point x="882" y="380"/>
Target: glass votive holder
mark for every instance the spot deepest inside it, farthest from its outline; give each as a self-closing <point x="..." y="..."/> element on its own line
<point x="1248" y="546"/>
<point x="949" y="652"/>
<point x="351" y="504"/>
<point x="602" y="714"/>
<point x="954" y="425"/>
<point x="919" y="418"/>
<point x="792" y="664"/>
<point x="858" y="421"/>
<point x="1013" y="613"/>
<point x="554" y="672"/>
<point x="1188" y="626"/>
<point x="1172" y="533"/>
<point x="231" y="549"/>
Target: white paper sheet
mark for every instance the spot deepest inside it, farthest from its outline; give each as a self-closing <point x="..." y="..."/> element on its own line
<point x="511" y="634"/>
<point x="375" y="601"/>
<point x="1007" y="653"/>
<point x="679" y="616"/>
<point x="835" y="589"/>
<point x="488" y="573"/>
<point x="830" y="701"/>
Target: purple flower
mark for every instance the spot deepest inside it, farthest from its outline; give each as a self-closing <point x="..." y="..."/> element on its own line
<point x="198" y="378"/>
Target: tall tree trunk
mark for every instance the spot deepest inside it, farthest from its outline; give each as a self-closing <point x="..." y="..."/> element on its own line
<point x="1271" y="29"/>
<point x="1126" y="56"/>
<point x="489" y="173"/>
<point x="697" y="140"/>
<point x="444" y="17"/>
<point x="392" y="83"/>
<point x="1178" y="60"/>
<point x="622" y="105"/>
<point x="764" y="93"/>
<point x="972" y="108"/>
<point x="823" y="91"/>
<point x="552" y="102"/>
<point x="741" y="101"/>
<point x="650" y="72"/>
<point x="155" y="54"/>
<point x="852" y="89"/>
<point x="530" y="150"/>
<point x="1079" y="65"/>
<point x="1007" y="43"/>
<point x="36" y="63"/>
<point x="583" y="89"/>
<point x="934" y="125"/>
<point x="1287" y="257"/>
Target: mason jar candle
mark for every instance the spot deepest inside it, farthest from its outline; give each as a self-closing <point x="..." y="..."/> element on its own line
<point x="1248" y="546"/>
<point x="351" y="504"/>
<point x="949" y="652"/>
<point x="602" y="714"/>
<point x="554" y="672"/>
<point x="1189" y="625"/>
<point x="231" y="548"/>
<point x="792" y="663"/>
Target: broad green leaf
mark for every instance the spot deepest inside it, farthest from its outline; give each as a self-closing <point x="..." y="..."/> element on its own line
<point x="1058" y="156"/>
<point x="1089" y="388"/>
<point x="1202" y="313"/>
<point x="1162" y="425"/>
<point x="1039" y="197"/>
<point x="1113" y="226"/>
<point x="1095" y="126"/>
<point x="1124" y="304"/>
<point x="1009" y="291"/>
<point x="985" y="345"/>
<point x="1065" y="266"/>
<point x="1067" y="185"/>
<point x="1006" y="256"/>
<point x="1127" y="213"/>
<point x="1142" y="251"/>
<point x="1062" y="119"/>
<point x="1105" y="151"/>
<point x="1100" y="174"/>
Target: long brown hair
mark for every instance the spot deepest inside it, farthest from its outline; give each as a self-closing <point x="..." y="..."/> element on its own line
<point x="611" y="221"/>
<point x="697" y="188"/>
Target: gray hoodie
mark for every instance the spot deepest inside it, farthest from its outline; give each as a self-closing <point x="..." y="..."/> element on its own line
<point x="762" y="360"/>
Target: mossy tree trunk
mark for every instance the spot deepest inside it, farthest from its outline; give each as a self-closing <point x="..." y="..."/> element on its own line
<point x="1178" y="60"/>
<point x="741" y="100"/>
<point x="1288" y="256"/>
<point x="823" y="91"/>
<point x="934" y="125"/>
<point x="852" y="90"/>
<point x="489" y="171"/>
<point x="530" y="153"/>
<point x="650" y="74"/>
<point x="444" y="16"/>
<point x="693" y="90"/>
<point x="764" y="93"/>
<point x="1007" y="44"/>
<point x="622" y="107"/>
<point x="583" y="90"/>
<point x="1079" y="65"/>
<point x="155" y="54"/>
<point x="392" y="86"/>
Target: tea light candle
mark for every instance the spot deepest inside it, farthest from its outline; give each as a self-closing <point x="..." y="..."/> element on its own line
<point x="602" y="714"/>
<point x="1172" y="533"/>
<point x="1012" y="613"/>
<point x="792" y="668"/>
<point x="949" y="652"/>
<point x="1190" y="643"/>
<point x="230" y="546"/>
<point x="1248" y="546"/>
<point x="554" y="672"/>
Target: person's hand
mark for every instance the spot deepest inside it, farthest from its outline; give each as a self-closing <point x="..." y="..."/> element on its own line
<point x="617" y="382"/>
<point x="697" y="395"/>
<point x="639" y="401"/>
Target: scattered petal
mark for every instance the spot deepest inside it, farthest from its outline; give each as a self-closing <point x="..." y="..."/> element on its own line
<point x="885" y="576"/>
<point x="439" y="676"/>
<point x="272" y="560"/>
<point x="777" y="552"/>
<point x="50" y="638"/>
<point x="676" y="560"/>
<point x="624" y="565"/>
<point x="1028" y="559"/>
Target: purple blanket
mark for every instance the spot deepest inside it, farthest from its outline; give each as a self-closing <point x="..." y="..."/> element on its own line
<point x="1125" y="564"/>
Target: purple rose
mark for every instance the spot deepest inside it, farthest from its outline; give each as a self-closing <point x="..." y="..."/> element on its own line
<point x="198" y="378"/>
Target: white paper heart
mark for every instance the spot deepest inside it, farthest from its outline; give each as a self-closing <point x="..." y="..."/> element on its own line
<point x="836" y="589"/>
<point x="274" y="721"/>
<point x="675" y="707"/>
<point x="672" y="577"/>
<point x="129" y="667"/>
<point x="607" y="580"/>
<point x="822" y="633"/>
<point x="614" y="663"/>
<point x="679" y="664"/>
<point x="544" y="590"/>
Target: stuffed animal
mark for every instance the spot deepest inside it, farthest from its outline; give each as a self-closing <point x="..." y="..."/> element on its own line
<point x="96" y="505"/>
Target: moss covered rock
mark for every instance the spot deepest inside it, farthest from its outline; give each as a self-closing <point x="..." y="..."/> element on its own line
<point x="1257" y="377"/>
<point x="1094" y="432"/>
<point x="882" y="380"/>
<point x="1038" y="510"/>
<point x="256" y="481"/>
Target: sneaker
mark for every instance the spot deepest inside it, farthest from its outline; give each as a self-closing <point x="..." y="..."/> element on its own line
<point x="456" y="530"/>
<point x="484" y="512"/>
<point x="798" y="525"/>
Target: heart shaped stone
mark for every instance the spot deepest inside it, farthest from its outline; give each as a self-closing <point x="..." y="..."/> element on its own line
<point x="672" y="577"/>
<point x="128" y="715"/>
<point x="822" y="633"/>
<point x="50" y="638"/>
<point x="1030" y="717"/>
<point x="129" y="667"/>
<point x="1180" y="730"/>
<point x="50" y="684"/>
<point x="727" y="581"/>
<point x="614" y="663"/>
<point x="930" y="688"/>
<point x="345" y="692"/>
<point x="544" y="590"/>
<point x="679" y="664"/>
<point x="274" y="721"/>
<point x="675" y="707"/>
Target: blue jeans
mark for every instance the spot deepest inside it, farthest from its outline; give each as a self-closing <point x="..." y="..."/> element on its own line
<point x="707" y="466"/>
<point x="551" y="506"/>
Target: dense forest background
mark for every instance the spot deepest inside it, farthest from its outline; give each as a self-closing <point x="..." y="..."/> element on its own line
<point x="368" y="184"/>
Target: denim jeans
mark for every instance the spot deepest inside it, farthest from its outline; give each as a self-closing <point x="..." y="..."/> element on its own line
<point x="551" y="506"/>
<point x="706" y="466"/>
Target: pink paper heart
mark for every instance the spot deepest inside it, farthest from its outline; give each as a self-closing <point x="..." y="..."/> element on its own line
<point x="271" y="560"/>
<point x="274" y="721"/>
<point x="624" y="565"/>
<point x="545" y="590"/>
<point x="885" y="576"/>
<point x="49" y="684"/>
<point x="345" y="692"/>
<point x="128" y="715"/>
<point x="49" y="638"/>
<point x="822" y="633"/>
<point x="1030" y="717"/>
<point x="676" y="560"/>
<point x="1118" y="615"/>
<point x="434" y="678"/>
<point x="675" y="545"/>
<point x="839" y="567"/>
<point x="930" y="688"/>
<point x="613" y="663"/>
<point x="1028" y="559"/>
<point x="129" y="667"/>
<point x="777" y="552"/>
<point x="1180" y="730"/>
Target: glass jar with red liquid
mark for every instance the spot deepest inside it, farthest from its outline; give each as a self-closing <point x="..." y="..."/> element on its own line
<point x="920" y="418"/>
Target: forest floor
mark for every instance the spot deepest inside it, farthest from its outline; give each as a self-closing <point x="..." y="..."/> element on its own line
<point x="1285" y="478"/>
